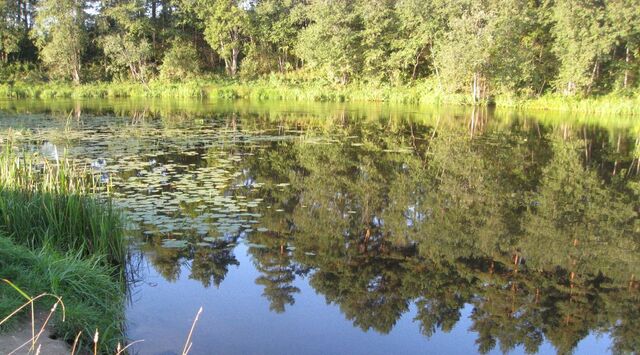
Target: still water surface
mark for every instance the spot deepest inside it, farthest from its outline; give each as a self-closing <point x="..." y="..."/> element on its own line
<point x="364" y="229"/>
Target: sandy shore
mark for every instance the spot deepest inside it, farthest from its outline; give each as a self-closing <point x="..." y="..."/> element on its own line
<point x="21" y="334"/>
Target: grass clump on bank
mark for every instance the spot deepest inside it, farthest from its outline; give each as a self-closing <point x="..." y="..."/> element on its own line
<point x="63" y="222"/>
<point x="56" y="237"/>
<point x="47" y="204"/>
<point x="92" y="299"/>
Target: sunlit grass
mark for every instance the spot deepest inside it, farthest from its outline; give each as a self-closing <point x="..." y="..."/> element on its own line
<point x="425" y="92"/>
<point x="92" y="299"/>
<point x="611" y="104"/>
<point x="57" y="237"/>
<point x="47" y="204"/>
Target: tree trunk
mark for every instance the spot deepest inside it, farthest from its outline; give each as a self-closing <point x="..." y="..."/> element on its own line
<point x="141" y="72"/>
<point x="76" y="75"/>
<point x="483" y="89"/>
<point x="132" y="70"/>
<point x="570" y="88"/>
<point x="280" y="64"/>
<point x="472" y="124"/>
<point x="154" y="7"/>
<point x="227" y="66"/>
<point x="474" y="88"/>
<point x="23" y="13"/>
<point x="594" y="76"/>
<point x="627" y="59"/>
<point x="615" y="164"/>
<point x="416" y="62"/>
<point x="75" y="72"/>
<point x="234" y="61"/>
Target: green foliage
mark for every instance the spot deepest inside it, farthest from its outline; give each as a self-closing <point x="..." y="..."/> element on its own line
<point x="226" y="30"/>
<point x="294" y="88"/>
<point x="479" y="48"/>
<point x="331" y="42"/>
<point x="11" y="31"/>
<point x="25" y="73"/>
<point x="181" y="62"/>
<point x="91" y="297"/>
<point x="583" y="38"/>
<point x="44" y="204"/>
<point x="276" y="24"/>
<point x="378" y="36"/>
<point x="420" y="24"/>
<point x="126" y="46"/>
<point x="485" y="46"/>
<point x="127" y="54"/>
<point x="60" y="35"/>
<point x="57" y="239"/>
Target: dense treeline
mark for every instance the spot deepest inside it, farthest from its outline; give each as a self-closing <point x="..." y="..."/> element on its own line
<point x="478" y="47"/>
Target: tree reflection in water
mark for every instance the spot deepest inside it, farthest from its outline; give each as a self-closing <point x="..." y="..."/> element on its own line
<point x="520" y="225"/>
<point x="534" y="225"/>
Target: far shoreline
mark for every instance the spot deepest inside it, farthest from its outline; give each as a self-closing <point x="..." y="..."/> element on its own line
<point x="419" y="93"/>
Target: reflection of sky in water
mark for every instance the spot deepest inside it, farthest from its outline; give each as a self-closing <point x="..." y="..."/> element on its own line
<point x="237" y="320"/>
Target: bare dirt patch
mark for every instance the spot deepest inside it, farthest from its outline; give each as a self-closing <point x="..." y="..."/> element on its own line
<point x="21" y="334"/>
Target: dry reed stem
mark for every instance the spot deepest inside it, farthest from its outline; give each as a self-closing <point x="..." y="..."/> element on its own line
<point x="46" y="321"/>
<point x="75" y="343"/>
<point x="96" y="337"/>
<point x="128" y="346"/>
<point x="35" y="337"/>
<point x="188" y="344"/>
<point x="30" y="302"/>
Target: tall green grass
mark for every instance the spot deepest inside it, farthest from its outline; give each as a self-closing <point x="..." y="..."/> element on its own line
<point x="91" y="297"/>
<point x="56" y="236"/>
<point x="48" y="204"/>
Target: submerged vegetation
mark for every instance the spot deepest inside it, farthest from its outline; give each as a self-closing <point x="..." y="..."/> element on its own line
<point x="57" y="238"/>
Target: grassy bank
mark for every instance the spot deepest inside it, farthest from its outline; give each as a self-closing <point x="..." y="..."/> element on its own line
<point x="56" y="237"/>
<point x="91" y="297"/>
<point x="47" y="204"/>
<point x="422" y="93"/>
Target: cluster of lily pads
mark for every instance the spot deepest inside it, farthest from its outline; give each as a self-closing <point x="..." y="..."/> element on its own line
<point x="183" y="183"/>
<point x="189" y="199"/>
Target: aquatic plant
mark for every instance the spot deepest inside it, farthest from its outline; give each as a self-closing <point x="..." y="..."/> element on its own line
<point x="46" y="203"/>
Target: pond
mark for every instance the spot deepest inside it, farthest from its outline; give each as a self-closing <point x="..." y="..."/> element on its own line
<point x="311" y="228"/>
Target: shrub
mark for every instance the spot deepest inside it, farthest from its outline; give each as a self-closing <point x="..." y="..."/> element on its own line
<point x="180" y="62"/>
